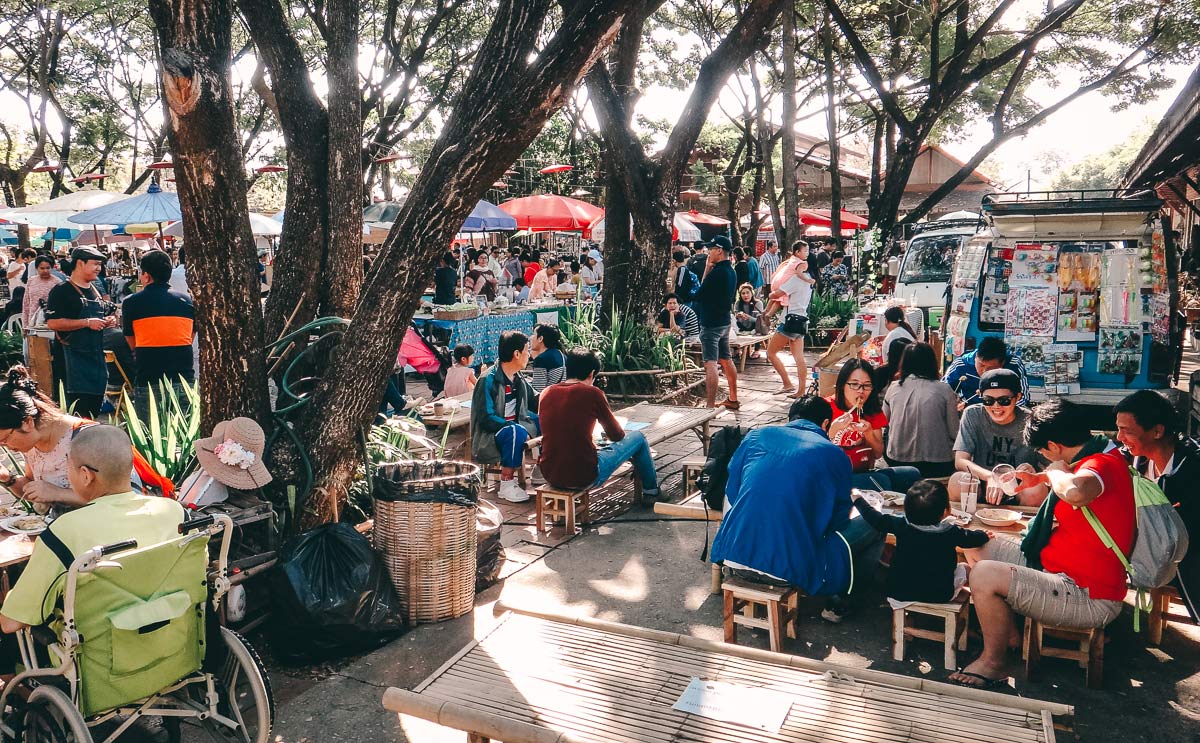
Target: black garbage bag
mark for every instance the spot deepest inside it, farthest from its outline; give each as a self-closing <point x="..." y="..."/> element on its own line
<point x="432" y="481"/>
<point x="489" y="553"/>
<point x="332" y="596"/>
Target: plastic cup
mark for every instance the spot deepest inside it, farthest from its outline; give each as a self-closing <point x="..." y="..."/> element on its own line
<point x="969" y="495"/>
<point x="1005" y="476"/>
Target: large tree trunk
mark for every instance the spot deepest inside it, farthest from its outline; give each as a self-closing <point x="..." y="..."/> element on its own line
<point x="502" y="107"/>
<point x="296" y="289"/>
<point x="791" y="197"/>
<point x="652" y="186"/>
<point x="194" y="52"/>
<point x="835" y="176"/>
<point x="344" y="257"/>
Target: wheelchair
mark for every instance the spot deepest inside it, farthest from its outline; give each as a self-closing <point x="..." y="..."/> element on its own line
<point x="136" y="638"/>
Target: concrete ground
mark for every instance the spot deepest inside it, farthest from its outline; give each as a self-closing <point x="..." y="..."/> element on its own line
<point x="642" y="569"/>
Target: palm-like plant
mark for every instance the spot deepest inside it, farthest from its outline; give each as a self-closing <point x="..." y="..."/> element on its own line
<point x="167" y="439"/>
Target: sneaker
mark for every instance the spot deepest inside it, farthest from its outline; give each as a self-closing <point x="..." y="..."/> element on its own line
<point x="511" y="491"/>
<point x="831" y="616"/>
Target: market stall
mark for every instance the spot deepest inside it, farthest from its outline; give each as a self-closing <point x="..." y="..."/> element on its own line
<point x="1081" y="290"/>
<point x="483" y="331"/>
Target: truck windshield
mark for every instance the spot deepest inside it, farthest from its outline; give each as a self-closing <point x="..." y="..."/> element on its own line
<point x="929" y="259"/>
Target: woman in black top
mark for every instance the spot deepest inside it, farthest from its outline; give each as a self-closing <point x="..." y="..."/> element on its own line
<point x="445" y="280"/>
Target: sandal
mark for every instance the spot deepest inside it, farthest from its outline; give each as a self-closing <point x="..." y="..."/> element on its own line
<point x="985" y="683"/>
<point x="785" y="391"/>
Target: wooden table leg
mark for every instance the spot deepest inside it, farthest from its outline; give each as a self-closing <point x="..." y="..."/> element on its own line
<point x="727" y="618"/>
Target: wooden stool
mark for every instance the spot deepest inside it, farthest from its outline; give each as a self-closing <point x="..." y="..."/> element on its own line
<point x="691" y="475"/>
<point x="1160" y="611"/>
<point x="955" y="615"/>
<point x="552" y="503"/>
<point x="1087" y="649"/>
<point x="742" y="600"/>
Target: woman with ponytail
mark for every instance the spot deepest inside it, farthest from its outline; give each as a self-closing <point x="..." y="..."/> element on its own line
<point x="32" y="424"/>
<point x="897" y="327"/>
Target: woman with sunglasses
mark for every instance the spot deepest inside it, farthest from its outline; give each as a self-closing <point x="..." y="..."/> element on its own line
<point x="857" y="427"/>
<point x="993" y="433"/>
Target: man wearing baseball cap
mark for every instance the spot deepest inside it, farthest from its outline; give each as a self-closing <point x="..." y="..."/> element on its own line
<point x="713" y="301"/>
<point x="78" y="314"/>
<point x="993" y="433"/>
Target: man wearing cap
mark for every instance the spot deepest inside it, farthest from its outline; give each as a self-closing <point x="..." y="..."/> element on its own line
<point x="713" y="301"/>
<point x="992" y="353"/>
<point x="78" y="314"/>
<point x="158" y="324"/>
<point x="993" y="433"/>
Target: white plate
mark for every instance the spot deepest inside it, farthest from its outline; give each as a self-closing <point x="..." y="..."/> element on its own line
<point x="998" y="516"/>
<point x="9" y="524"/>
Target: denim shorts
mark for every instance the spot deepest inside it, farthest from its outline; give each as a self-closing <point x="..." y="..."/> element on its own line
<point x="798" y="329"/>
<point x="714" y="343"/>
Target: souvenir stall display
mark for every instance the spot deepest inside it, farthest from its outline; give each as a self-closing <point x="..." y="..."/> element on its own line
<point x="869" y="319"/>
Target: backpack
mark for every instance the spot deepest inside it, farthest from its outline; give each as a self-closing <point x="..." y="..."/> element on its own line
<point x="715" y="474"/>
<point x="1160" y="540"/>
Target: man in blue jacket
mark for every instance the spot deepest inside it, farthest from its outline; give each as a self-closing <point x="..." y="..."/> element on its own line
<point x="992" y="353"/>
<point x="713" y="302"/>
<point x="787" y="517"/>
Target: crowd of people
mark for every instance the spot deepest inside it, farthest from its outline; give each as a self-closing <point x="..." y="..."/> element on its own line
<point x="518" y="274"/>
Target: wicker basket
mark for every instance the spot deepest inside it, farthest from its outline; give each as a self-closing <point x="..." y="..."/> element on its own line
<point x="463" y="314"/>
<point x="428" y="545"/>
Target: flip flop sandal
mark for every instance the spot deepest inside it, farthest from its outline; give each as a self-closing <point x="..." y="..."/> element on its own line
<point x="986" y="683"/>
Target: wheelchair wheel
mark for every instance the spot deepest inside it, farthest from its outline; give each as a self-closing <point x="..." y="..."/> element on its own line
<point x="50" y="717"/>
<point x="244" y="693"/>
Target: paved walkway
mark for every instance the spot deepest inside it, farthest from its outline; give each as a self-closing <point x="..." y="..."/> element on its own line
<point x="646" y="570"/>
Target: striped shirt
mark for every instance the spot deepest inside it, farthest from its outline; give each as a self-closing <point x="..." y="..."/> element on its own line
<point x="768" y="263"/>
<point x="549" y="367"/>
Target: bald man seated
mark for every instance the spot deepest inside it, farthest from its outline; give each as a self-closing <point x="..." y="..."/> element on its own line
<point x="98" y="466"/>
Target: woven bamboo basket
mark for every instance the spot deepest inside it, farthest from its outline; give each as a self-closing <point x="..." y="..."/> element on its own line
<point x="464" y="314"/>
<point x="428" y="545"/>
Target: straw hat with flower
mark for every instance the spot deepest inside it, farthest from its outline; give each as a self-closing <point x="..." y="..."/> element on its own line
<point x="233" y="454"/>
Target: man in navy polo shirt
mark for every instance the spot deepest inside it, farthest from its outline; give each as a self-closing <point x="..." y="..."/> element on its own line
<point x="713" y="301"/>
<point x="158" y="324"/>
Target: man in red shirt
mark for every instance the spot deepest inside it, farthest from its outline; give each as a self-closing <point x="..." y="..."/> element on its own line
<point x="568" y="413"/>
<point x="1070" y="579"/>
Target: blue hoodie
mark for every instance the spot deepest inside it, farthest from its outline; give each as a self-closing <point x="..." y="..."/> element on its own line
<point x="787" y="496"/>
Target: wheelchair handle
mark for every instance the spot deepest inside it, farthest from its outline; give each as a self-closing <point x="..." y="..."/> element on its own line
<point x="196" y="523"/>
<point x="109" y="549"/>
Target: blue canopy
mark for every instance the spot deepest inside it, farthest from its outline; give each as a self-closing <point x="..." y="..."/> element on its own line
<point x="487" y="217"/>
<point x="155" y="205"/>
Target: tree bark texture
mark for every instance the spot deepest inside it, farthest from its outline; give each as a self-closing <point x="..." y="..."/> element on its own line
<point x="194" y="38"/>
<point x="504" y="104"/>
<point x="791" y="198"/>
<point x="652" y="184"/>
<point x="295" y="290"/>
<point x="831" y="116"/>
<point x="344" y="256"/>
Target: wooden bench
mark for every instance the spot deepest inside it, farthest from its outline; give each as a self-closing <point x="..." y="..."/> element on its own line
<point x="1085" y="647"/>
<point x="743" y="601"/>
<point x="955" y="617"/>
<point x="1161" y="600"/>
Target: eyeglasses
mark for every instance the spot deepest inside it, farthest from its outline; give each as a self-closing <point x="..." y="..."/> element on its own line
<point x="990" y="401"/>
<point x="860" y="386"/>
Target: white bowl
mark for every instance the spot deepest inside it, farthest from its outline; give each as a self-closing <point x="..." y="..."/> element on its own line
<point x="998" y="516"/>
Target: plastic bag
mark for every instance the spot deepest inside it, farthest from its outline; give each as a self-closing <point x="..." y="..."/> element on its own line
<point x="433" y="481"/>
<point x="332" y="596"/>
<point x="489" y="553"/>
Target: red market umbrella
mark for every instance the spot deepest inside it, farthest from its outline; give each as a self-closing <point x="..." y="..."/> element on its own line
<point x="546" y="212"/>
<point x="500" y="184"/>
<point x="552" y="169"/>
<point x="707" y="220"/>
<point x="163" y="164"/>
<point x="823" y="218"/>
<point x="691" y="193"/>
<point x="390" y="158"/>
<point x="270" y="169"/>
